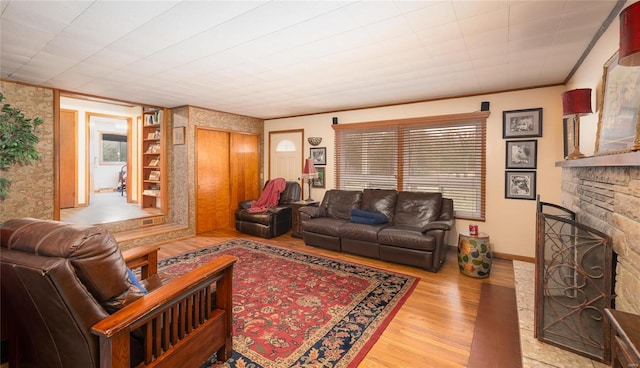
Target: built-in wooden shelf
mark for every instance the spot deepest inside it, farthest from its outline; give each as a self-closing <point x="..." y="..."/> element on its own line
<point x="622" y="159"/>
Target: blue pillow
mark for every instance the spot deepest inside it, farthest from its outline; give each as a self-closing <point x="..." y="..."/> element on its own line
<point x="134" y="281"/>
<point x="368" y="217"/>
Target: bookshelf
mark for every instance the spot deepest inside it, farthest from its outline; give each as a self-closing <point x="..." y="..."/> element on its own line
<point x="153" y="177"/>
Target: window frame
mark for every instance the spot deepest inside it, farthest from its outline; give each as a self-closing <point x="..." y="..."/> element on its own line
<point x="126" y="144"/>
<point x="478" y="118"/>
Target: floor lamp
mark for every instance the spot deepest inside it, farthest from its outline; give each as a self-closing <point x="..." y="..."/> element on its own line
<point x="309" y="173"/>
<point x="576" y="103"/>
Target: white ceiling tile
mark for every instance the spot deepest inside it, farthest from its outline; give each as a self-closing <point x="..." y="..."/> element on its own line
<point x="494" y="20"/>
<point x="277" y="58"/>
<point x="440" y="34"/>
<point x="48" y="16"/>
<point x="522" y="12"/>
<point x="472" y="9"/>
<point x="437" y="14"/>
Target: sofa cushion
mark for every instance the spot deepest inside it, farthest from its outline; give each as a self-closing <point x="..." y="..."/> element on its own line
<point x="368" y="217"/>
<point x="406" y="237"/>
<point x="323" y="225"/>
<point x="341" y="202"/>
<point x="362" y="232"/>
<point x="379" y="200"/>
<point x="416" y="209"/>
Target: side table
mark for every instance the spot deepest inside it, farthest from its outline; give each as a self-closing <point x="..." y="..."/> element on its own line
<point x="296" y="226"/>
<point x="474" y="254"/>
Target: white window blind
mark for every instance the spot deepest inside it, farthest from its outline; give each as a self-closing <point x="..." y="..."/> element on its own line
<point x="447" y="158"/>
<point x="443" y="154"/>
<point x="367" y="158"/>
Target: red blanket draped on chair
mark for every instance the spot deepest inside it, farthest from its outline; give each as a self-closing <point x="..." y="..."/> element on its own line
<point x="270" y="195"/>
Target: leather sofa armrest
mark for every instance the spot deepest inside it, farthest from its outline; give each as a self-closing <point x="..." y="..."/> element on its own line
<point x="279" y="209"/>
<point x="309" y="212"/>
<point x="245" y="204"/>
<point x="437" y="225"/>
<point x="144" y="257"/>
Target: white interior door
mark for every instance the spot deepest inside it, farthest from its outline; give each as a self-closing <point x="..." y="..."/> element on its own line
<point x="286" y="155"/>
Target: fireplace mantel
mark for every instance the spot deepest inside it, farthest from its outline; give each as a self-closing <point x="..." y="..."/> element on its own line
<point x="622" y="159"/>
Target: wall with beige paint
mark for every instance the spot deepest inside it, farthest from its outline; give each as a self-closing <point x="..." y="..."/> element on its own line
<point x="509" y="222"/>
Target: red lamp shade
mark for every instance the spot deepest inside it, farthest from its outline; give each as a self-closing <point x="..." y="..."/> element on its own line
<point x="629" y="54"/>
<point x="576" y="102"/>
<point x="309" y="170"/>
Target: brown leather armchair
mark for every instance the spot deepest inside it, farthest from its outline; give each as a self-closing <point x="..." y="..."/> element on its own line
<point x="67" y="301"/>
<point x="273" y="222"/>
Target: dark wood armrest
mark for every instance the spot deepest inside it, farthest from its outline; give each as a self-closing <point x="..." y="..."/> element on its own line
<point x="145" y="258"/>
<point x="175" y="319"/>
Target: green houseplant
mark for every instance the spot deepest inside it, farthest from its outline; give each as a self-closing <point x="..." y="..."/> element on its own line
<point x="17" y="141"/>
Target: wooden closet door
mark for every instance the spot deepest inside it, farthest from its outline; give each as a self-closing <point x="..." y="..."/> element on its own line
<point x="68" y="158"/>
<point x="245" y="163"/>
<point x="212" y="180"/>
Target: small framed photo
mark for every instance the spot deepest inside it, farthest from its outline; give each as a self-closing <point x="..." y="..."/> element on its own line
<point x="522" y="123"/>
<point x="319" y="181"/>
<point x="522" y="154"/>
<point x="520" y="185"/>
<point x="319" y="155"/>
<point x="178" y="135"/>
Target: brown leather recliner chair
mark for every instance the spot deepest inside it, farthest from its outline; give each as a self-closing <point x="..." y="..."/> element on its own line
<point x="273" y="222"/>
<point x="67" y="301"/>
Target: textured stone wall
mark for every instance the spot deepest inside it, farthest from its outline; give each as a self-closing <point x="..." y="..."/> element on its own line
<point x="178" y="167"/>
<point x="32" y="186"/>
<point x="608" y="199"/>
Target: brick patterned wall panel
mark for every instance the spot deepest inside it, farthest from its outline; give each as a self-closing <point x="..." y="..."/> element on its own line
<point x="32" y="189"/>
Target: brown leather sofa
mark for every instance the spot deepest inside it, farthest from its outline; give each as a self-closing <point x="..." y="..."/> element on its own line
<point x="67" y="301"/>
<point x="414" y="232"/>
<point x="273" y="222"/>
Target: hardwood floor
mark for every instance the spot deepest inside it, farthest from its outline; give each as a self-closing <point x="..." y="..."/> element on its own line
<point x="435" y="326"/>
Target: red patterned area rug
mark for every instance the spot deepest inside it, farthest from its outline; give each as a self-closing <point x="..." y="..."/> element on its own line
<point x="293" y="309"/>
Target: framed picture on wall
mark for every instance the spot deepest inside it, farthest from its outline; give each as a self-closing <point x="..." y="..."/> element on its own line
<point x="619" y="107"/>
<point x="319" y="155"/>
<point x="319" y="181"/>
<point x="522" y="123"/>
<point x="520" y="185"/>
<point x="522" y="154"/>
<point x="178" y="135"/>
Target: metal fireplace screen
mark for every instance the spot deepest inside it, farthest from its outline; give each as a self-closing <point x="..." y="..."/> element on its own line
<point x="573" y="283"/>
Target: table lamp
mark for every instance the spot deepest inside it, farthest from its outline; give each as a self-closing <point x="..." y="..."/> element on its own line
<point x="309" y="173"/>
<point x="630" y="36"/>
<point x="576" y="103"/>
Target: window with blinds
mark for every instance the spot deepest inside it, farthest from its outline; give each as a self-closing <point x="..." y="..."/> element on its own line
<point x="443" y="154"/>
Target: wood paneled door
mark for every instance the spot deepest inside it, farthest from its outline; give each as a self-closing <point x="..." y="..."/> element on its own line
<point x="226" y="173"/>
<point x="68" y="158"/>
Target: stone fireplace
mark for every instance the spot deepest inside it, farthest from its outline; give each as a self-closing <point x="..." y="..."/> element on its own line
<point x="604" y="192"/>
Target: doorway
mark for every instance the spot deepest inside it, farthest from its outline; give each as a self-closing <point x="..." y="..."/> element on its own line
<point x="100" y="141"/>
<point x="286" y="155"/>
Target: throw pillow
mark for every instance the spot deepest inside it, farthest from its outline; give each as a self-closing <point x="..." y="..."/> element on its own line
<point x="134" y="281"/>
